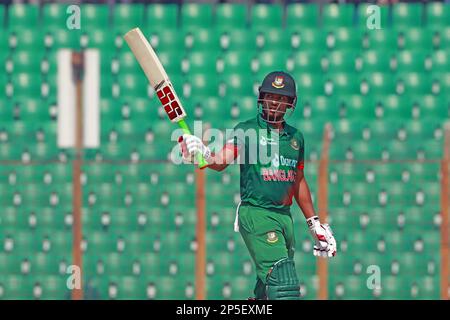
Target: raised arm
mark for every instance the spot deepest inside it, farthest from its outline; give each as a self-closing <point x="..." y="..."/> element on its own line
<point x="190" y="145"/>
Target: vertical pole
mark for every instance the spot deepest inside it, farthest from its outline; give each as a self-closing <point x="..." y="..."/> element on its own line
<point x="200" y="261"/>
<point x="445" y="193"/>
<point x="322" y="266"/>
<point x="77" y="64"/>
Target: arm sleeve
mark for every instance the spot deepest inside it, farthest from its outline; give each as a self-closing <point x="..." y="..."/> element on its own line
<point x="301" y="152"/>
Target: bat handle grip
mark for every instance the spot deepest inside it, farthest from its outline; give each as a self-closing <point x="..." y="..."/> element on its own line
<point x="200" y="160"/>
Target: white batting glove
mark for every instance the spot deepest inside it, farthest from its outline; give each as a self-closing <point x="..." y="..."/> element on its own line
<point x="325" y="245"/>
<point x="191" y="145"/>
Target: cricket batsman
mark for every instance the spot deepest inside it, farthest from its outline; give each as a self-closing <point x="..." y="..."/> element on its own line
<point x="263" y="216"/>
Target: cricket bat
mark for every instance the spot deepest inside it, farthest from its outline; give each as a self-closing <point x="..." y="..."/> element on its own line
<point x="160" y="81"/>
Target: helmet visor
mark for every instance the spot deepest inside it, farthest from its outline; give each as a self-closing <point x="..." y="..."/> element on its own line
<point x="273" y="111"/>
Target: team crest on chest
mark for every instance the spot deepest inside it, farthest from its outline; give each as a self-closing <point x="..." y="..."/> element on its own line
<point x="278" y="82"/>
<point x="272" y="237"/>
<point x="294" y="144"/>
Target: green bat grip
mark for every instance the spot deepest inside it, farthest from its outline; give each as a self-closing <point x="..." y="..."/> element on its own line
<point x="201" y="162"/>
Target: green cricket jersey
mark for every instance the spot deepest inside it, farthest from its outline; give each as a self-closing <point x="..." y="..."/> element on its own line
<point x="271" y="161"/>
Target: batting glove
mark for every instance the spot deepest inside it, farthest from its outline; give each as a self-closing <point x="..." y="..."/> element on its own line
<point x="191" y="145"/>
<point x="325" y="244"/>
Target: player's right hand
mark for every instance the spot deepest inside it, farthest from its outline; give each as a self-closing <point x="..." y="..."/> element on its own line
<point x="187" y="158"/>
<point x="325" y="245"/>
<point x="191" y="145"/>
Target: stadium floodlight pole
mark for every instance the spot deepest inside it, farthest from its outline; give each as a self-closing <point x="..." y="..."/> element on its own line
<point x="322" y="266"/>
<point x="77" y="65"/>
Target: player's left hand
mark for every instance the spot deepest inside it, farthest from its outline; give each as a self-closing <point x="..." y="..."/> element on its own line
<point x="325" y="245"/>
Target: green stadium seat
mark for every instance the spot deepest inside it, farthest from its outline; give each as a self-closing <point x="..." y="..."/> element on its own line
<point x="309" y="61"/>
<point x="272" y="39"/>
<point x="25" y="84"/>
<point x="414" y="82"/>
<point x="2" y="16"/>
<point x="354" y="106"/>
<point x="102" y="40"/>
<point x="321" y="107"/>
<point x="270" y="60"/>
<point x="236" y="84"/>
<point x="201" y="84"/>
<point x="301" y="15"/>
<point x="21" y="61"/>
<point x="343" y="61"/>
<point x="166" y="39"/>
<point x="413" y="61"/>
<point x="383" y="38"/>
<point x="162" y="16"/>
<point x="444" y="37"/>
<point x="236" y="62"/>
<point x="212" y="108"/>
<point x="312" y="84"/>
<point x="54" y="15"/>
<point x="377" y="82"/>
<point x="4" y="45"/>
<point x="242" y="287"/>
<point x="20" y="38"/>
<point x="234" y="39"/>
<point x="202" y="39"/>
<point x="340" y="83"/>
<point x="440" y="60"/>
<point x="410" y="38"/>
<point x="231" y="16"/>
<point x="437" y="14"/>
<point x="62" y="38"/>
<point x="363" y="14"/>
<point x="442" y="78"/>
<point x="173" y="62"/>
<point x="95" y="16"/>
<point x="196" y="15"/>
<point x="245" y="106"/>
<point x="436" y="107"/>
<point x="23" y="15"/>
<point x="127" y="17"/>
<point x="334" y="15"/>
<point x="309" y="39"/>
<point x="16" y="287"/>
<point x="344" y="38"/>
<point x="407" y="14"/>
<point x="266" y="16"/>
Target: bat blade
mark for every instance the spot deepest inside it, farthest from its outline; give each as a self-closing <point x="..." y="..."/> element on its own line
<point x="159" y="80"/>
<point x="155" y="73"/>
<point x="146" y="57"/>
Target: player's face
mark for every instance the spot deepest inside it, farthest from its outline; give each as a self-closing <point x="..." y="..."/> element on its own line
<point x="275" y="106"/>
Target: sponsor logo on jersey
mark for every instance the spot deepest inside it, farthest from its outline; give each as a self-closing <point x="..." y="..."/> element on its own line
<point x="278" y="82"/>
<point x="288" y="162"/>
<point x="272" y="237"/>
<point x="265" y="141"/>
